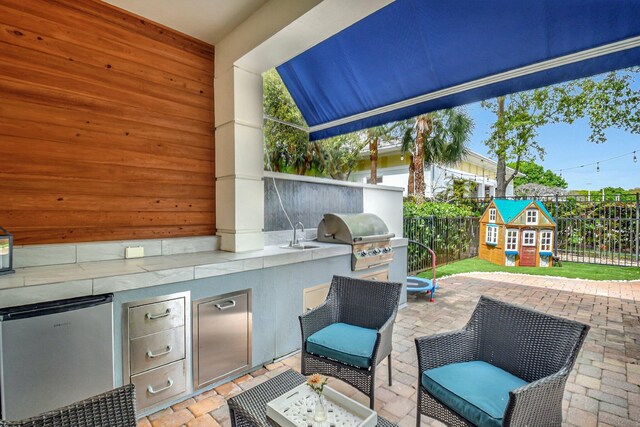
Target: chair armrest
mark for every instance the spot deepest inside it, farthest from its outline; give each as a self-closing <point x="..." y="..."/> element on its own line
<point x="443" y="349"/>
<point x="537" y="403"/>
<point x="314" y="320"/>
<point x="384" y="340"/>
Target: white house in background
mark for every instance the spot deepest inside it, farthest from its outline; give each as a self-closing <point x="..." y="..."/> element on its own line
<point x="393" y="169"/>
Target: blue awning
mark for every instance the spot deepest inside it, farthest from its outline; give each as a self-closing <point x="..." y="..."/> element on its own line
<point x="416" y="56"/>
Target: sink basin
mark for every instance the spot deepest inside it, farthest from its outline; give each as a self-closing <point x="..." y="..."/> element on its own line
<point x="300" y="247"/>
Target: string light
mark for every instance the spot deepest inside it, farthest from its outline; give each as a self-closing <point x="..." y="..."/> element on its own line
<point x="597" y="163"/>
<point x="402" y="157"/>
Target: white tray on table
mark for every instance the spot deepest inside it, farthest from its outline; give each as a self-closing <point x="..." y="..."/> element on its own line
<point x="295" y="409"/>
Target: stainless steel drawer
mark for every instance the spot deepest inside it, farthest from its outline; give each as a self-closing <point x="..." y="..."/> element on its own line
<point x="157" y="349"/>
<point x="150" y="318"/>
<point x="222" y="337"/>
<point x="159" y="384"/>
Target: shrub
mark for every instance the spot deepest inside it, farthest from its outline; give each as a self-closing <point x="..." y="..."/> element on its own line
<point x="436" y="209"/>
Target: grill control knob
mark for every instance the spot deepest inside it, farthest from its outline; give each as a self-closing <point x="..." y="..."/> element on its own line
<point x="363" y="253"/>
<point x="376" y="251"/>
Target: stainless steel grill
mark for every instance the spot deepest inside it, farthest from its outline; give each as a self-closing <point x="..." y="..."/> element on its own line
<point x="367" y="234"/>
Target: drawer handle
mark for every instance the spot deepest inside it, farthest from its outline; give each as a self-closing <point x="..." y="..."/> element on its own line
<point x="230" y="304"/>
<point x="169" y="385"/>
<point x="158" y="316"/>
<point x="152" y="355"/>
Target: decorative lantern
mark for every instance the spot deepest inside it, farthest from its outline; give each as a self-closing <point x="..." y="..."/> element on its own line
<point x="6" y="252"/>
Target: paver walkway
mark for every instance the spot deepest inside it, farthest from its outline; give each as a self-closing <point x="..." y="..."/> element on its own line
<point x="603" y="390"/>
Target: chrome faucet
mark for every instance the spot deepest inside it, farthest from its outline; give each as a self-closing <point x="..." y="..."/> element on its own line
<point x="295" y="241"/>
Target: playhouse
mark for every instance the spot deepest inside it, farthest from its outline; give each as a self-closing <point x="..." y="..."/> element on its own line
<point x="517" y="233"/>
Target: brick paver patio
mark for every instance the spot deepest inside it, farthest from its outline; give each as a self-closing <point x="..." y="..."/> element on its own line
<point x="603" y="390"/>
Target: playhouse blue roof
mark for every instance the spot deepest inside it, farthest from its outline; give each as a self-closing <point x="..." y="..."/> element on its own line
<point x="509" y="209"/>
<point x="544" y="209"/>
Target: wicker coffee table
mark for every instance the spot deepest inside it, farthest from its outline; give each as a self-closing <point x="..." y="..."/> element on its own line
<point x="249" y="408"/>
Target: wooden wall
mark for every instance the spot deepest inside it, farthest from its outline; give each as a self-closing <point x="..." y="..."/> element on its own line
<point x="106" y="125"/>
<point x="494" y="254"/>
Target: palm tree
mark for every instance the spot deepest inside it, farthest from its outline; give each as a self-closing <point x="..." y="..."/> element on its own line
<point x="440" y="137"/>
<point x="374" y="137"/>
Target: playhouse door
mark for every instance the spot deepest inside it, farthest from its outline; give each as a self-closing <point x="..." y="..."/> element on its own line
<point x="528" y="248"/>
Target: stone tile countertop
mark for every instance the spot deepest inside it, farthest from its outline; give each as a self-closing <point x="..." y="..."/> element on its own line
<point x="46" y="283"/>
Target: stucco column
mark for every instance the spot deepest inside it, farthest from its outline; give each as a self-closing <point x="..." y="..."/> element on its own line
<point x="239" y="159"/>
<point x="273" y="34"/>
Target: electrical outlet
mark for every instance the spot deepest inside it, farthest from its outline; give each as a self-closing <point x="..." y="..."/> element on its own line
<point x="134" y="252"/>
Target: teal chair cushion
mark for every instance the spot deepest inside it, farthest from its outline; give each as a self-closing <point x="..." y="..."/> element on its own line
<point x="344" y="343"/>
<point x="477" y="391"/>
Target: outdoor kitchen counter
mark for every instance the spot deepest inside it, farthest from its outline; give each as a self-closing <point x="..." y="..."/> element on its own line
<point x="46" y="283"/>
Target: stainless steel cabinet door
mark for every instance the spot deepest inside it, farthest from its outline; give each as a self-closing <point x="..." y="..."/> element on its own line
<point x="222" y="337"/>
<point x="157" y="349"/>
<point x="160" y="384"/>
<point x="150" y="318"/>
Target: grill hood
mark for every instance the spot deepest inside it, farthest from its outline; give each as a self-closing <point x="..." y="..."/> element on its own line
<point x="352" y="228"/>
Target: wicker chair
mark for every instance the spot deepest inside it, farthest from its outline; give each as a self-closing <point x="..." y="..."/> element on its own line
<point x="358" y="303"/>
<point x="115" y="408"/>
<point x="537" y="349"/>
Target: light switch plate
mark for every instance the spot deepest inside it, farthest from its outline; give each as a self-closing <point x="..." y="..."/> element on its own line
<point x="134" y="252"/>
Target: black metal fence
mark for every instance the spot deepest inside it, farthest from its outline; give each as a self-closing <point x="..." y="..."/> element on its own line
<point x="613" y="241"/>
<point x="451" y="239"/>
<point x="597" y="229"/>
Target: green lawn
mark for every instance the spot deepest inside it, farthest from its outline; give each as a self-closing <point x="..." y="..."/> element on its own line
<point x="568" y="269"/>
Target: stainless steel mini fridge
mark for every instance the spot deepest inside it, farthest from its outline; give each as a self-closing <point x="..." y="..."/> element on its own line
<point x="54" y="354"/>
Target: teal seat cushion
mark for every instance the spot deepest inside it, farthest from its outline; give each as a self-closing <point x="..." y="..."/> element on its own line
<point x="344" y="343"/>
<point x="477" y="391"/>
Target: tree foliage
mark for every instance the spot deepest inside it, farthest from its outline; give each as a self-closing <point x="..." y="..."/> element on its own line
<point x="440" y="137"/>
<point x="610" y="193"/>
<point x="607" y="101"/>
<point x="513" y="134"/>
<point x="611" y="100"/>
<point x="339" y="155"/>
<point x="460" y="188"/>
<point x="536" y="174"/>
<point x="288" y="149"/>
<point x="534" y="190"/>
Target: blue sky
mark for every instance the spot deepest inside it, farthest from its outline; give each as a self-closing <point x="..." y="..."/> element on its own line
<point x="567" y="146"/>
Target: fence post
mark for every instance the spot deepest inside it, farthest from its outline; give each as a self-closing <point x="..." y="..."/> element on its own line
<point x="637" y="227"/>
<point x="555" y="239"/>
<point x="446" y="238"/>
<point x="432" y="242"/>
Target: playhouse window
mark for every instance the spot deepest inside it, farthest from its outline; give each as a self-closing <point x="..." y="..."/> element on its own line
<point x="532" y="216"/>
<point x="492" y="215"/>
<point x="529" y="238"/>
<point x="492" y="235"/>
<point x="512" y="240"/>
<point x="546" y="238"/>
